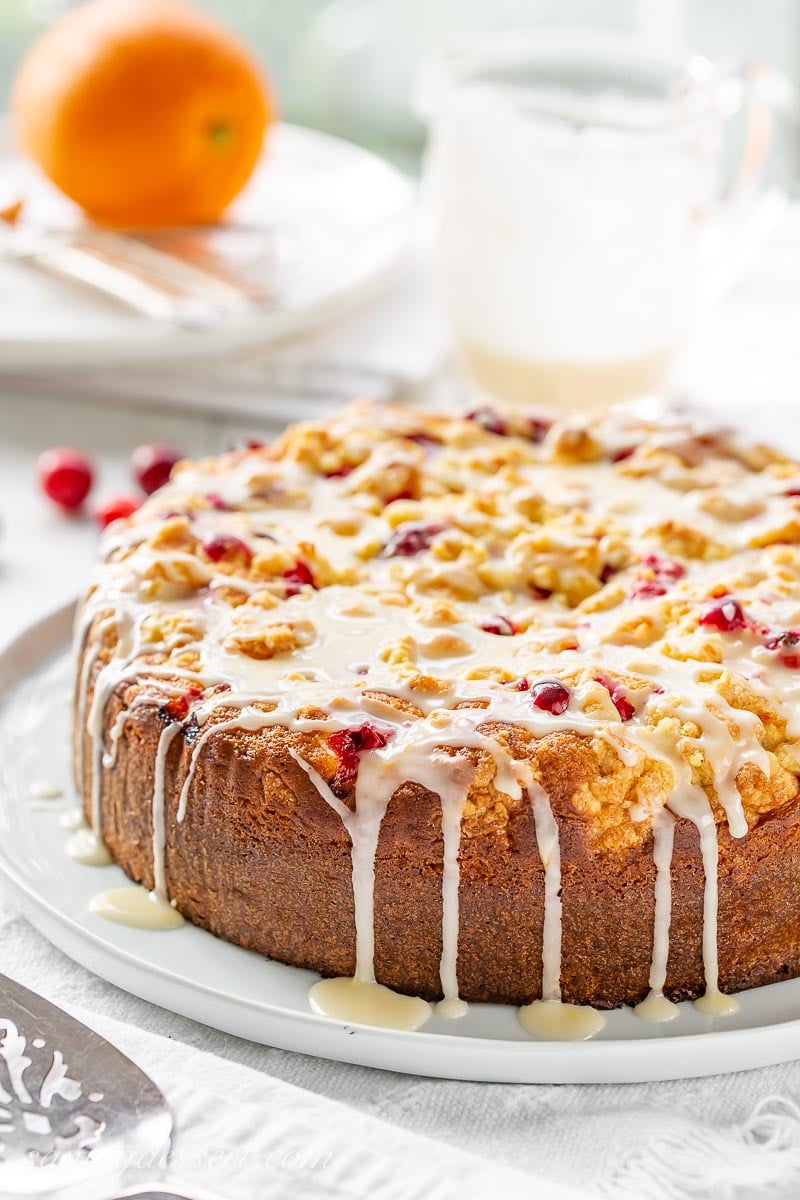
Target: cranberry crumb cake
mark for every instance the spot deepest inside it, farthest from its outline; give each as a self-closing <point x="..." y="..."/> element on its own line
<point x="472" y="707"/>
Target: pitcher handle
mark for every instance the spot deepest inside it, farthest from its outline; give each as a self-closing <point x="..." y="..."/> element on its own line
<point x="751" y="208"/>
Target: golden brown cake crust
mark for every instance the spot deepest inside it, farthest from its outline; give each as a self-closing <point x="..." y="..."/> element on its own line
<point x="262" y="861"/>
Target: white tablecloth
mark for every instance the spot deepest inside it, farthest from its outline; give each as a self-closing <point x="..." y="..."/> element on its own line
<point x="259" y="1122"/>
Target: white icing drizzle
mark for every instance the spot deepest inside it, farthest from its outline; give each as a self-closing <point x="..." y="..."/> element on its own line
<point x="86" y="847"/>
<point x="548" y="1017"/>
<point x="365" y="1003"/>
<point x="251" y="719"/>
<point x="550" y="854"/>
<point x="363" y="830"/>
<point x="72" y="819"/>
<point x="656" y="1006"/>
<point x="126" y="651"/>
<point x="415" y="757"/>
<point x="452" y="796"/>
<point x="556" y="1022"/>
<point x="159" y="828"/>
<point x="135" y="906"/>
<point x="709" y="852"/>
<point x="42" y="789"/>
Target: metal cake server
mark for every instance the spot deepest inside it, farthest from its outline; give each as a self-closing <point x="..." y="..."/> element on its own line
<point x="78" y="1120"/>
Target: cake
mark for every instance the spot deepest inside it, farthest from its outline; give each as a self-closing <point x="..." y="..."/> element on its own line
<point x="481" y="709"/>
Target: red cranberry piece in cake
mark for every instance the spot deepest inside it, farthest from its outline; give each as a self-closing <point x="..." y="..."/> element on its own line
<point x="622" y="453"/>
<point x="661" y="573"/>
<point x="369" y="737"/>
<point x="177" y="709"/>
<point x="151" y="465"/>
<point x="646" y="589"/>
<point x="118" y="508"/>
<point x="341" y="472"/>
<point x="499" y="625"/>
<point x="550" y="696"/>
<point x="225" y="547"/>
<point x="426" y="440"/>
<point x="215" y="501"/>
<point x="404" y="495"/>
<point x="65" y="476"/>
<point x="618" y="698"/>
<point x="787" y="647"/>
<point x="347" y="744"/>
<point x="726" y="615"/>
<point x="537" y="428"/>
<point x="489" y="420"/>
<point x="664" y="568"/>
<point x="299" y="576"/>
<point x="410" y="539"/>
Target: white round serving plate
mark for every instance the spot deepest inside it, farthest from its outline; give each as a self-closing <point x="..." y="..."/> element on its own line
<point x="330" y="220"/>
<point x="189" y="971"/>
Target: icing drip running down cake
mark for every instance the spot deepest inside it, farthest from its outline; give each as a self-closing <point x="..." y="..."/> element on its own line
<point x="471" y="711"/>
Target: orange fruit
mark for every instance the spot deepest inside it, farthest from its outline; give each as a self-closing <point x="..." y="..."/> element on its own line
<point x="144" y="112"/>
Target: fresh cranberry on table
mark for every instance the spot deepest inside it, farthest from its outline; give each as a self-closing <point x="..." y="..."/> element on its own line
<point x="65" y="475"/>
<point x="489" y="420"/>
<point x="116" y="509"/>
<point x="726" y="615"/>
<point x="226" y="546"/>
<point x="499" y="625"/>
<point x="151" y="465"/>
<point x="550" y="696"/>
<point x="410" y="539"/>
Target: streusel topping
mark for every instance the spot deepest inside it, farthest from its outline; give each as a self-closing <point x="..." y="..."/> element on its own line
<point x="637" y="584"/>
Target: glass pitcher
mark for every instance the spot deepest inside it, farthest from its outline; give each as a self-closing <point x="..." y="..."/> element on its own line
<point x="577" y="184"/>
